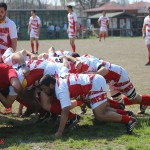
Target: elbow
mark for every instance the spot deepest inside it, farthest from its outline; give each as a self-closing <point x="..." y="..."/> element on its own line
<point x="66" y="110"/>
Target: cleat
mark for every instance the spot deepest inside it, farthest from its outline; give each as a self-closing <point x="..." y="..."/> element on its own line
<point x="27" y="113"/>
<point x="122" y="106"/>
<point x="131" y="125"/>
<point x="72" y="123"/>
<point x="142" y="109"/>
<point x="36" y="53"/>
<point x="44" y="117"/>
<point x="7" y="111"/>
<point x="147" y="64"/>
<point x="83" y="109"/>
<point x="130" y="113"/>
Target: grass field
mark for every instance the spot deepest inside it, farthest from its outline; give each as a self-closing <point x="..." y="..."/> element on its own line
<point x="130" y="53"/>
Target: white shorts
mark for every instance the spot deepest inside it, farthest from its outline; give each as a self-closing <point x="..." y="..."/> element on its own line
<point x="34" y="35"/>
<point x="124" y="86"/>
<point x="147" y="40"/>
<point x="7" y="57"/>
<point x="71" y="36"/>
<point x="98" y="93"/>
<point x="103" y="29"/>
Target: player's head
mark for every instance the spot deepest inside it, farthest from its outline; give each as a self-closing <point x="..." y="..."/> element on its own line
<point x="70" y="8"/>
<point x="149" y="11"/>
<point x="52" y="52"/>
<point x="47" y="85"/>
<point x="3" y="11"/>
<point x="33" y="12"/>
<point x="104" y="12"/>
<point x="75" y="55"/>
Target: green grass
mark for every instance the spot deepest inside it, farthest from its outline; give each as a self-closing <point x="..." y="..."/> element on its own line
<point x="90" y="135"/>
<point x="130" y="53"/>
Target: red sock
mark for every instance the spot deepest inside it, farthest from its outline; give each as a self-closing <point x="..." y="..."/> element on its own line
<point x="55" y="107"/>
<point x="32" y="46"/>
<point x="114" y="104"/>
<point x="79" y="103"/>
<point x="104" y="36"/>
<point x="125" y="119"/>
<point x="71" y="115"/>
<point x="122" y="112"/>
<point x="145" y="100"/>
<point x="37" y="46"/>
<point x="149" y="58"/>
<point x="73" y="48"/>
<point x="128" y="101"/>
<point x="100" y="35"/>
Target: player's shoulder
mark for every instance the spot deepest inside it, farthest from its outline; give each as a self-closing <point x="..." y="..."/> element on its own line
<point x="146" y="18"/>
<point x="9" y="21"/>
<point x="38" y="17"/>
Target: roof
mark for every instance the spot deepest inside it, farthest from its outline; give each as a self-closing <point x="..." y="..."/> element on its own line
<point x="110" y="15"/>
<point x="110" y="6"/>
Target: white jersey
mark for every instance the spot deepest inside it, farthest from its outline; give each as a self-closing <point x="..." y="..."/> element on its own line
<point x="48" y="67"/>
<point x="8" y="31"/>
<point x="147" y="25"/>
<point x="104" y="20"/>
<point x="80" y="86"/>
<point x="59" y="53"/>
<point x="35" y="23"/>
<point x="72" y="19"/>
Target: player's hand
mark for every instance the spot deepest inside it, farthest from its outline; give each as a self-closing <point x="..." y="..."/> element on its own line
<point x="67" y="30"/>
<point x="144" y="36"/>
<point x="34" y="57"/>
<point x="58" y="134"/>
<point x="28" y="32"/>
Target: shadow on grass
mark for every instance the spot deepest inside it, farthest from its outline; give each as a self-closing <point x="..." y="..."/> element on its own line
<point x="16" y="132"/>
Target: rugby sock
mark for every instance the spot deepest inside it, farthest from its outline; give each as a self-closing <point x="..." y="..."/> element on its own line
<point x="37" y="46"/>
<point x="73" y="48"/>
<point x="125" y="119"/>
<point x="145" y="100"/>
<point x="128" y="101"/>
<point x="71" y="115"/>
<point x="114" y="104"/>
<point x="122" y="112"/>
<point x="79" y="103"/>
<point x="100" y="36"/>
<point x="104" y="36"/>
<point x="32" y="47"/>
<point x="149" y="58"/>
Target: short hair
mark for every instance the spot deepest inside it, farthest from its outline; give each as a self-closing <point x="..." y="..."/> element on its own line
<point x="75" y="55"/>
<point x="148" y="8"/>
<point x="47" y="80"/>
<point x="3" y="5"/>
<point x="69" y="6"/>
<point x="34" y="11"/>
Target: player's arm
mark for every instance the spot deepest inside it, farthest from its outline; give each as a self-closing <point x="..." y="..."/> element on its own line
<point x="13" y="36"/>
<point x="63" y="121"/>
<point x="43" y="56"/>
<point x="7" y="101"/>
<point x="14" y="44"/>
<point x="144" y="30"/>
<point x="99" y="22"/>
<point x="29" y="28"/>
<point x="103" y="71"/>
<point x="27" y="53"/>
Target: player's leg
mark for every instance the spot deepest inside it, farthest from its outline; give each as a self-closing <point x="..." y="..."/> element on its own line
<point x="105" y="34"/>
<point x="32" y="44"/>
<point x="37" y="45"/>
<point x="72" y="43"/>
<point x="148" y="47"/>
<point x="100" y="35"/>
<point x="99" y="105"/>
